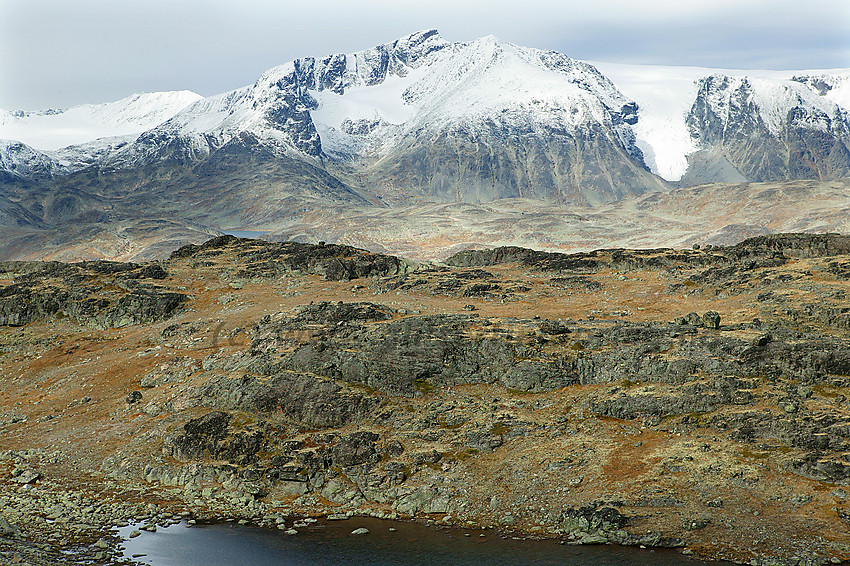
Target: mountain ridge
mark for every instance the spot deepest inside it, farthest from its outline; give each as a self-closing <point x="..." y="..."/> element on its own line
<point x="315" y="122"/>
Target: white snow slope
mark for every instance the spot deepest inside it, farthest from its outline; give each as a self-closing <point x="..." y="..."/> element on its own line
<point x="48" y="130"/>
<point x="665" y="96"/>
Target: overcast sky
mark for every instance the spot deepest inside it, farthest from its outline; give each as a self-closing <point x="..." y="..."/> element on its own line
<point x="57" y="53"/>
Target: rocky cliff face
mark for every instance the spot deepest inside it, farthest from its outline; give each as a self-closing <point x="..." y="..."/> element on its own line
<point x="759" y="129"/>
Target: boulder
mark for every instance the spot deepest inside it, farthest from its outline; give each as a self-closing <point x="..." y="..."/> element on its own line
<point x="356" y="448"/>
<point x="711" y="319"/>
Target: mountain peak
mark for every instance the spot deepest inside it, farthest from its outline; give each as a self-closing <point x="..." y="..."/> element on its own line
<point x="489" y="39"/>
<point x="420" y="37"/>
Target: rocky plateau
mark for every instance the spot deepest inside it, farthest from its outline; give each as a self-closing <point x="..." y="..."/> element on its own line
<point x="689" y="398"/>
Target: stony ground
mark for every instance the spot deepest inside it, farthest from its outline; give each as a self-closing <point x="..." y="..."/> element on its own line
<point x="688" y="398"/>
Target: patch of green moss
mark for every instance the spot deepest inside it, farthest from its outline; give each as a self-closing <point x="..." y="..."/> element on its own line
<point x="422" y="387"/>
<point x="499" y="428"/>
<point x="520" y="392"/>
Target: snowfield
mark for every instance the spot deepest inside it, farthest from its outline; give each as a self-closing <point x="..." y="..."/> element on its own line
<point x="55" y="129"/>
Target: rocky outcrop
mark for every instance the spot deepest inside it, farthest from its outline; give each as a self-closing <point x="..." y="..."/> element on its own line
<point x="788" y="246"/>
<point x="399" y="355"/>
<point x="392" y="356"/>
<point x="292" y="396"/>
<point x="258" y="259"/>
<point x="530" y="258"/>
<point x="761" y="251"/>
<point x="201" y="434"/>
<point x="355" y="449"/>
<point x="100" y="294"/>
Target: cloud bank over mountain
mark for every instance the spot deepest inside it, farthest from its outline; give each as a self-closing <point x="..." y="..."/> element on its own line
<point x="59" y="54"/>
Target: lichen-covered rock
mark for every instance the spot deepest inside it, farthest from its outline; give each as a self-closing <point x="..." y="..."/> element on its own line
<point x="356" y="448"/>
<point x="201" y="434"/>
<point x="98" y="294"/>
<point x="298" y="397"/>
<point x="594" y="524"/>
<point x="261" y="259"/>
<point x="711" y="319"/>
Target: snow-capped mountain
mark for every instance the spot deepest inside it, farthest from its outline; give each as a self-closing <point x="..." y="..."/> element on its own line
<point x="833" y="86"/>
<point x="20" y="160"/>
<point x="673" y="124"/>
<point x="416" y="122"/>
<point x="469" y="121"/>
<point x="419" y="119"/>
<point x="421" y="115"/>
<point x="769" y="129"/>
<point x="46" y="143"/>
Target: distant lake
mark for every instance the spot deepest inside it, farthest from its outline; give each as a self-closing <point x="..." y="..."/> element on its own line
<point x="332" y="544"/>
<point x="244" y="233"/>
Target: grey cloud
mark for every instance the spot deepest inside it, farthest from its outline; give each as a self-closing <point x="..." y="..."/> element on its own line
<point x="59" y="53"/>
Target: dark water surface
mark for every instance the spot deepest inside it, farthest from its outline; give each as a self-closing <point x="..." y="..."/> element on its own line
<point x="332" y="544"/>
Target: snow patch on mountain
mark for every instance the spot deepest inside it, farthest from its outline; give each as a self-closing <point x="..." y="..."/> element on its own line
<point x="366" y="118"/>
<point x="383" y="102"/>
<point x="54" y="129"/>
